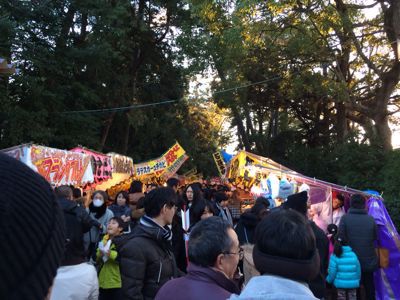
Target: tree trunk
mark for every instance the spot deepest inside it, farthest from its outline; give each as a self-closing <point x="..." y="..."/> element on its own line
<point x="125" y="143"/>
<point x="66" y="26"/>
<point x="384" y="133"/>
<point x="106" y="130"/>
<point x="275" y="122"/>
<point x="389" y="81"/>
<point x="241" y="129"/>
<point x="343" y="73"/>
<point x="341" y="122"/>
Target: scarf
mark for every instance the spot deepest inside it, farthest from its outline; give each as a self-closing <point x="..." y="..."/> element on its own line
<point x="165" y="231"/>
<point x="98" y="211"/>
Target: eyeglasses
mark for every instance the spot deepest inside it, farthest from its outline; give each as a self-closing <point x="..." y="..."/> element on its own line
<point x="240" y="253"/>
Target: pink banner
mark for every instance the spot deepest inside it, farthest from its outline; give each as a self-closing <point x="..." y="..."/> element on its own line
<point x="101" y="164"/>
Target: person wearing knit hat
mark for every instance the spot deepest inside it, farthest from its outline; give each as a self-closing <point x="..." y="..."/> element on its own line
<point x="297" y="202"/>
<point x="32" y="232"/>
<point x="285" y="254"/>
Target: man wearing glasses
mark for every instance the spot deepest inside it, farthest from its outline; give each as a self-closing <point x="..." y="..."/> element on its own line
<point x="214" y="254"/>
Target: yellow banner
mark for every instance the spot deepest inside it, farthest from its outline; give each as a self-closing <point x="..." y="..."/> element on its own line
<point x="237" y="165"/>
<point x="151" y="167"/>
<point x="172" y="169"/>
<point x="169" y="160"/>
<point x="173" y="154"/>
<point x="219" y="161"/>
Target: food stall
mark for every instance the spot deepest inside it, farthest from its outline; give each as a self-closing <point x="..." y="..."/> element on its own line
<point x="57" y="166"/>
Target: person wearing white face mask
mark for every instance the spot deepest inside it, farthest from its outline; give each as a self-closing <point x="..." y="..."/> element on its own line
<point x="98" y="211"/>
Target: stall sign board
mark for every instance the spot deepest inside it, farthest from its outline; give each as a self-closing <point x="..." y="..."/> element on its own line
<point x="121" y="164"/>
<point x="150" y="167"/>
<point x="101" y="164"/>
<point x="57" y="166"/>
<point x="219" y="161"/>
<point x="172" y="169"/>
<point x="169" y="162"/>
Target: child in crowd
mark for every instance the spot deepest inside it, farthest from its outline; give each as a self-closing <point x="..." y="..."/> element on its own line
<point x="332" y="233"/>
<point x="344" y="270"/>
<point x="109" y="274"/>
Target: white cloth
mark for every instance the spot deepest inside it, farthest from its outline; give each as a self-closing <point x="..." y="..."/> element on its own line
<point x="324" y="212"/>
<point x="78" y="282"/>
<point x="273" y="181"/>
<point x="270" y="287"/>
<point x="104" y="249"/>
<point x="337" y="214"/>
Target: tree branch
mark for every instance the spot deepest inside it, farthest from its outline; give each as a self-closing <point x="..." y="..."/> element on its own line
<point x="346" y="21"/>
<point x="357" y="6"/>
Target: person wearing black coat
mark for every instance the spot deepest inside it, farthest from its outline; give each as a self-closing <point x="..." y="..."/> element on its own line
<point x="299" y="202"/>
<point x="146" y="259"/>
<point x="245" y="229"/>
<point x="318" y="285"/>
<point x="360" y="230"/>
<point x="77" y="222"/>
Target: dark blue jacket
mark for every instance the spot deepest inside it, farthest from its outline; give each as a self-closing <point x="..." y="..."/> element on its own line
<point x="359" y="229"/>
<point x="120" y="210"/>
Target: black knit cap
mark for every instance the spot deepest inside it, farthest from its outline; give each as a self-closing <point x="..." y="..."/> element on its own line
<point x="31" y="231"/>
<point x="297" y="202"/>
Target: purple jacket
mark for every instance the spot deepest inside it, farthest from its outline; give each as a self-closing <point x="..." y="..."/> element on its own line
<point x="200" y="283"/>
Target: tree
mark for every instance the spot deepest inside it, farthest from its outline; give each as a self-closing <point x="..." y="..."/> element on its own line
<point x="90" y="55"/>
<point x="336" y="69"/>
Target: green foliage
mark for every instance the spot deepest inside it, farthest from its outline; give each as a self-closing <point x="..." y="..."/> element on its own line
<point x="84" y="55"/>
<point x="393" y="207"/>
<point x="358" y="165"/>
<point x="390" y="175"/>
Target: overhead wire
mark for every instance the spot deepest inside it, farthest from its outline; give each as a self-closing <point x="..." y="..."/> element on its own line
<point x="116" y="109"/>
<point x="124" y="108"/>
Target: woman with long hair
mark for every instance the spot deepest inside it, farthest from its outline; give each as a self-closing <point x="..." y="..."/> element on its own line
<point x="191" y="196"/>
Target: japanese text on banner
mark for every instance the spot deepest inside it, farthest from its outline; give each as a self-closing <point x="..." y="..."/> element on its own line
<point x="150" y="167"/>
<point x="219" y="162"/>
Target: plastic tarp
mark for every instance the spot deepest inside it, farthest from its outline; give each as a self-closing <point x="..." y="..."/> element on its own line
<point x="387" y="280"/>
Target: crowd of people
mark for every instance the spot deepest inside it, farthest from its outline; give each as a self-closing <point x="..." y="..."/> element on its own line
<point x="175" y="242"/>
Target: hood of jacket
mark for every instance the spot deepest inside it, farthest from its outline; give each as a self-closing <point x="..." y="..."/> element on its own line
<point x="270" y="287"/>
<point x="347" y="249"/>
<point x="295" y="269"/>
<point x="121" y="240"/>
<point x="67" y="205"/>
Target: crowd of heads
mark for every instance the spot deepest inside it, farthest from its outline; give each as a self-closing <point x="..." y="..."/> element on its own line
<point x="285" y="233"/>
